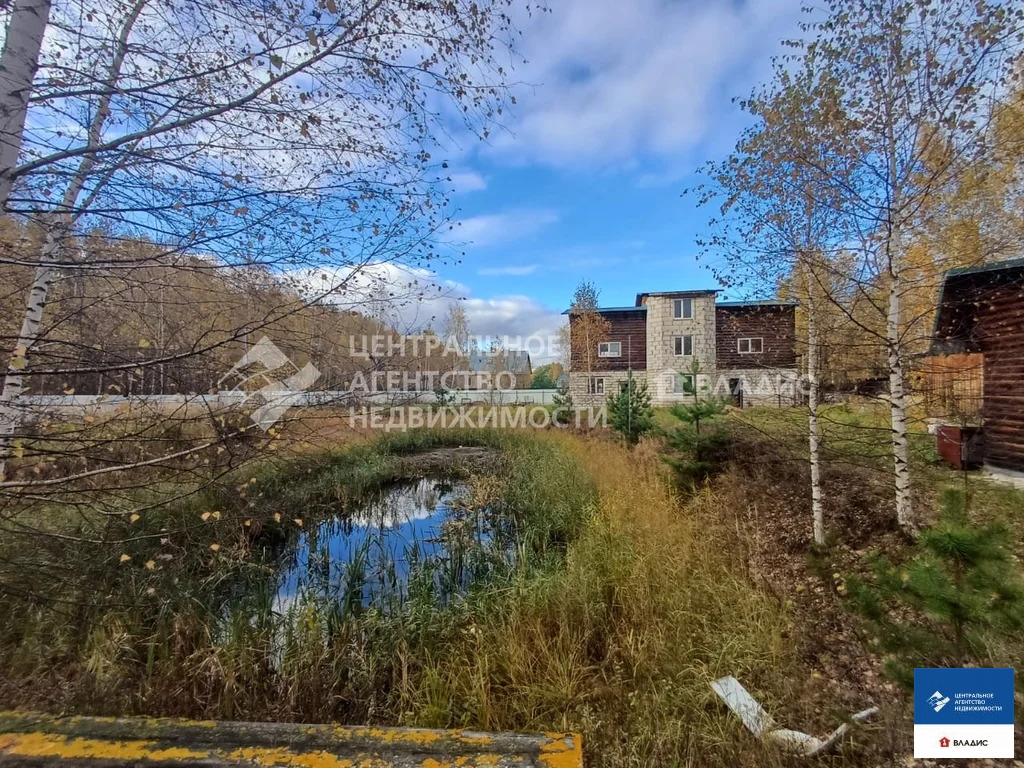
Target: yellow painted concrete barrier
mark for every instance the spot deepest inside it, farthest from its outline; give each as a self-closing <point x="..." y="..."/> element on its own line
<point x="33" y="740"/>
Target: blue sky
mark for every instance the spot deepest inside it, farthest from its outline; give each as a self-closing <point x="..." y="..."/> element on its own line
<point x="625" y="100"/>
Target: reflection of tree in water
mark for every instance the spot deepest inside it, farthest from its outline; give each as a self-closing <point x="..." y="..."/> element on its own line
<point x="429" y="535"/>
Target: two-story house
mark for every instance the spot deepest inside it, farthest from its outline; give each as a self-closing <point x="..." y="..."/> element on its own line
<point x="745" y="350"/>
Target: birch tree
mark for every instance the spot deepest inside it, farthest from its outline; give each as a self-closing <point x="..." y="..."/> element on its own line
<point x="777" y="222"/>
<point x="457" y="331"/>
<point x="19" y="61"/>
<point x="297" y="138"/>
<point x="910" y="76"/>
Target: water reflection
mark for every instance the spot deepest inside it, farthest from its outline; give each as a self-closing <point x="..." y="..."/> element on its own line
<point x="417" y="536"/>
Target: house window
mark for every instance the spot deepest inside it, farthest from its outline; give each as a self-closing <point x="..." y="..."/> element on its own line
<point x="595" y="385"/>
<point x="609" y="349"/>
<point x="749" y="346"/>
<point x="683" y="309"/>
<point x="683" y="383"/>
<point x="684" y="345"/>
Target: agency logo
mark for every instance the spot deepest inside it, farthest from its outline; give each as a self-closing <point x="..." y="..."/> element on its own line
<point x="963" y="713"/>
<point x="938" y="701"/>
<point x="266" y="375"/>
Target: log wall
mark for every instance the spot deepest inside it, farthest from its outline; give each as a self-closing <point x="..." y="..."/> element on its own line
<point x="1000" y="335"/>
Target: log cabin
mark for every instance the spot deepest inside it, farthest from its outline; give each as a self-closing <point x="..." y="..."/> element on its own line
<point x="981" y="313"/>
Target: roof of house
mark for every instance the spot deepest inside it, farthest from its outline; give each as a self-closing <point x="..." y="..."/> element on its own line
<point x="684" y="294"/>
<point x="603" y="310"/>
<point x="954" y="318"/>
<point x="995" y="266"/>
<point x="677" y="294"/>
<point x="764" y="303"/>
<point x="512" y="360"/>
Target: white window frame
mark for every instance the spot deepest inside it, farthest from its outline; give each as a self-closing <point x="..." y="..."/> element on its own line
<point x="679" y="307"/>
<point x="595" y="385"/>
<point x="607" y="345"/>
<point x="750" y="350"/>
<point x="679" y="384"/>
<point x="682" y="345"/>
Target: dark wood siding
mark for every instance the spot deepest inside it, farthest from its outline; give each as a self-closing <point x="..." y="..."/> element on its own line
<point x="628" y="328"/>
<point x="775" y="325"/>
<point x="999" y="332"/>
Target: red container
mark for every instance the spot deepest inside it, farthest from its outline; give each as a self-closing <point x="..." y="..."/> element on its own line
<point x="960" y="446"/>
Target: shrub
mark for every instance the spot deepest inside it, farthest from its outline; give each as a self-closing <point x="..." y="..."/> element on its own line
<point x="696" y="454"/>
<point x="960" y="591"/>
<point x="443" y="398"/>
<point x="629" y="412"/>
<point x="562" y="401"/>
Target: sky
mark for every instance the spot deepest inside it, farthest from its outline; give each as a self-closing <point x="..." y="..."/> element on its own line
<point x="618" y="105"/>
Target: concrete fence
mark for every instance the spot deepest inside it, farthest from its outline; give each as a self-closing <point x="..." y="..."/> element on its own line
<point x="77" y="406"/>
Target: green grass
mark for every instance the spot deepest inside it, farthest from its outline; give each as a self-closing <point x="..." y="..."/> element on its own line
<point x="626" y="605"/>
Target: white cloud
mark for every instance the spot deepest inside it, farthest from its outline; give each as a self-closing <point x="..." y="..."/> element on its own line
<point x="409" y="299"/>
<point x="491" y="228"/>
<point x="616" y="80"/>
<point x="467" y="181"/>
<point x="517" y="318"/>
<point x="525" y="269"/>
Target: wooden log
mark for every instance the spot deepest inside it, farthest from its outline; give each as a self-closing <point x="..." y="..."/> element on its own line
<point x="33" y="740"/>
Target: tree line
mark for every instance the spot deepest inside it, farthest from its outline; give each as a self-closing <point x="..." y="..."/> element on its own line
<point x="177" y="179"/>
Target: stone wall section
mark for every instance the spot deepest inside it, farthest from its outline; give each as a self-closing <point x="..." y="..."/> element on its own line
<point x="612" y="381"/>
<point x="663" y="328"/>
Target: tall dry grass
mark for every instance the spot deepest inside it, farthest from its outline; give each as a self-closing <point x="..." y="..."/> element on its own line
<point x="632" y="602"/>
<point x="622" y="644"/>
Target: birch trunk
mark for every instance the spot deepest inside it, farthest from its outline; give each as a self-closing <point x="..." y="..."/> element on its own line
<point x="18" y="64"/>
<point x="897" y="405"/>
<point x="58" y="228"/>
<point x="813" y="438"/>
<point x="10" y="414"/>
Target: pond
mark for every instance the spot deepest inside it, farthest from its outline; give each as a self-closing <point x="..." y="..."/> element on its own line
<point x="416" y="536"/>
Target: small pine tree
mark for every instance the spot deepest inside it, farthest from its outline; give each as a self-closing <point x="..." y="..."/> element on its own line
<point x="696" y="454"/>
<point x="960" y="591"/>
<point x="630" y="412"/>
<point x="562" y="400"/>
<point x="704" y="406"/>
<point x="443" y="398"/>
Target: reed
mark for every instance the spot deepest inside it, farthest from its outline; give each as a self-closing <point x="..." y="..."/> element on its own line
<point x="612" y="606"/>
